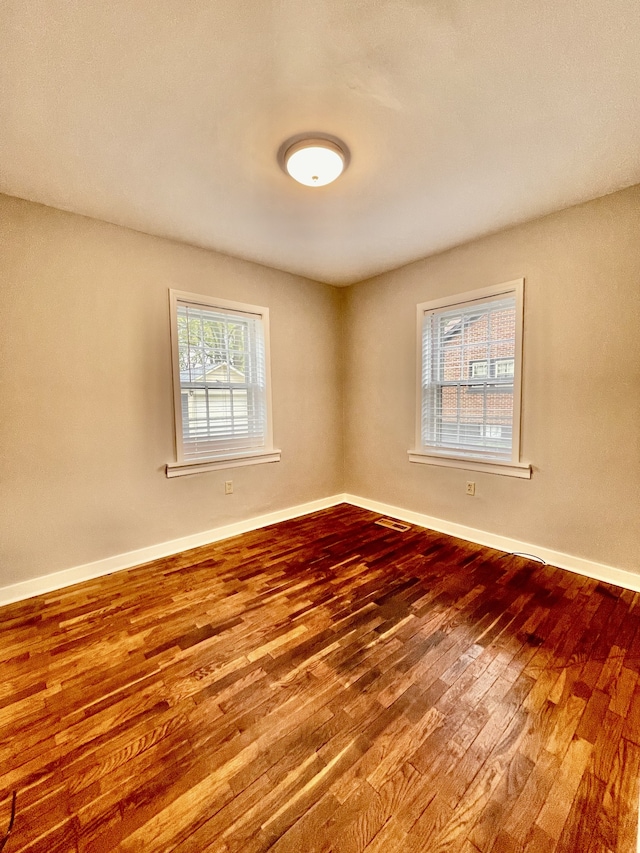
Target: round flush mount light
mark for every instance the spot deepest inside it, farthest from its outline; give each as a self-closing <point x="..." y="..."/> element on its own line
<point x="314" y="160"/>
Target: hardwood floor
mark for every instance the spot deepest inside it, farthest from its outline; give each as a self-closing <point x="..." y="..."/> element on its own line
<point x="322" y="685"/>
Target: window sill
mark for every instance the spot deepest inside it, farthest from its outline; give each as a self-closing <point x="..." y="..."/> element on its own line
<point x="232" y="460"/>
<point x="493" y="466"/>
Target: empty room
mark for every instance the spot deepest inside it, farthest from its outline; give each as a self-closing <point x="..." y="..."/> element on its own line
<point x="319" y="426"/>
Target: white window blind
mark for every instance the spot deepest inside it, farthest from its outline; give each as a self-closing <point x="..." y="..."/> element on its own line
<point x="223" y="380"/>
<point x="468" y="357"/>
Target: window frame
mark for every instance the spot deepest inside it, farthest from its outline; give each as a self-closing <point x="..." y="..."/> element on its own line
<point x="227" y="457"/>
<point x="513" y="467"/>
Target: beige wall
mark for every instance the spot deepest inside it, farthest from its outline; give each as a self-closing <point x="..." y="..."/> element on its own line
<point x="581" y="391"/>
<point x="86" y="421"/>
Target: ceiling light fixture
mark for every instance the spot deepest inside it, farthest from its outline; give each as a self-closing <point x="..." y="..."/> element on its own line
<point x="314" y="160"/>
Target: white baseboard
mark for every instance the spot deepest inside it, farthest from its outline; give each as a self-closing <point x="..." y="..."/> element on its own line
<point x="597" y="571"/>
<point x="88" y="571"/>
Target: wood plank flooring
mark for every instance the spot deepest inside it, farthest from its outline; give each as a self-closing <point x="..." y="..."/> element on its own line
<point x="324" y="685"/>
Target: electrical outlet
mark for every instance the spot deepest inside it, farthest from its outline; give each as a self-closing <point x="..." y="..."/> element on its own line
<point x="471" y="487"/>
<point x="228" y="487"/>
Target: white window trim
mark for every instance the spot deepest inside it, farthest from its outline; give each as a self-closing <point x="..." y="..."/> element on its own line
<point x="226" y="459"/>
<point x="494" y="466"/>
<point x="182" y="469"/>
<point x="513" y="467"/>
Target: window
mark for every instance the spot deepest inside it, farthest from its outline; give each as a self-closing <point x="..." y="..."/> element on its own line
<point x="493" y="431"/>
<point x="222" y="401"/>
<point x="504" y="367"/>
<point x="478" y="369"/>
<point x="468" y="412"/>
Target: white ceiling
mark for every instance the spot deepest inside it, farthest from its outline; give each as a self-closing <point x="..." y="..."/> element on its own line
<point x="462" y="116"/>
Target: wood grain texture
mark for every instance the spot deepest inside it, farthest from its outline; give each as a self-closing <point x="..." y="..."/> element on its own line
<point x="324" y="685"/>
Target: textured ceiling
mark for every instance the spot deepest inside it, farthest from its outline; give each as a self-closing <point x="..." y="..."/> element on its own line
<point x="462" y="116"/>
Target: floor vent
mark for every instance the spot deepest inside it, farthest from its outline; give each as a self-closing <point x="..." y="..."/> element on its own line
<point x="393" y="525"/>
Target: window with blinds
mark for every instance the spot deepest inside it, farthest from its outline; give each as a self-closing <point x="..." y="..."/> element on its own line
<point x="470" y="375"/>
<point x="221" y="374"/>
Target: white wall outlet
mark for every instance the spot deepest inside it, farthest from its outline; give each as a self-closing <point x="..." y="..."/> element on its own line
<point x="471" y="487"/>
<point x="228" y="487"/>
